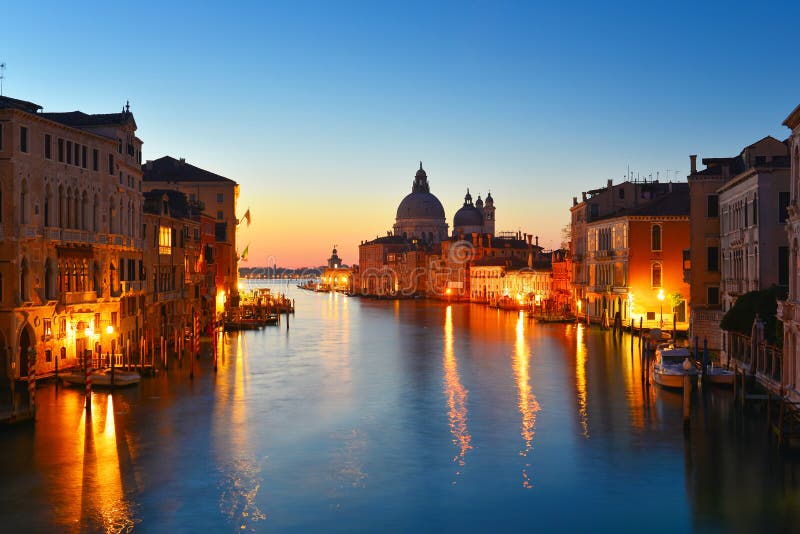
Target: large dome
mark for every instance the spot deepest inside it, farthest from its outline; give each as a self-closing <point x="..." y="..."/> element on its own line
<point x="420" y="205"/>
<point x="468" y="215"/>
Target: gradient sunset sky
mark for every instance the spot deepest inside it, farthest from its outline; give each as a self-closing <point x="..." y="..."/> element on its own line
<point x="322" y="110"/>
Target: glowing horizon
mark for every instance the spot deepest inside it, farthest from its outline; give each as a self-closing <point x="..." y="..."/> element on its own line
<point x="321" y="112"/>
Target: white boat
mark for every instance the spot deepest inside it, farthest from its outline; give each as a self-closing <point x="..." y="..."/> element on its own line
<point x="718" y="375"/>
<point x="102" y="378"/>
<point x="671" y="365"/>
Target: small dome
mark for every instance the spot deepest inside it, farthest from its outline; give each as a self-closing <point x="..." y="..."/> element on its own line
<point x="489" y="199"/>
<point x="421" y="172"/>
<point x="479" y="202"/>
<point x="468" y="215"/>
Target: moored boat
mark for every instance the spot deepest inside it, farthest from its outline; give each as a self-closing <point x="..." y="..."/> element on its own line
<point x="102" y="378"/>
<point x="672" y="365"/>
<point x="719" y="376"/>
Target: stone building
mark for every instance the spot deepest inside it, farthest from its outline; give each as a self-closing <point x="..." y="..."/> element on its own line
<point x="729" y="200"/>
<point x="789" y="310"/>
<point x="173" y="259"/>
<point x="753" y="208"/>
<point x="420" y="215"/>
<point x="634" y="259"/>
<point x="595" y="204"/>
<point x="71" y="272"/>
<point x="218" y="195"/>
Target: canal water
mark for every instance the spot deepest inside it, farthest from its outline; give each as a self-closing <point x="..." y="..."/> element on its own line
<point x="397" y="416"/>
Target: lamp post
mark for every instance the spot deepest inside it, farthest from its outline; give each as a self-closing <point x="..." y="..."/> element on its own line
<point x="661" y="305"/>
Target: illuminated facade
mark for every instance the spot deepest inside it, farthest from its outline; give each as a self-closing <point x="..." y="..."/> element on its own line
<point x="71" y="276"/>
<point x="218" y="195"/>
<point x="173" y="257"/>
<point x="634" y="262"/>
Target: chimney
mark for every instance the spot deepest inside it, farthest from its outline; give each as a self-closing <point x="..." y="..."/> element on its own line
<point x="183" y="161"/>
<point x="610" y="182"/>
<point x="537" y="240"/>
<point x="693" y="160"/>
<point x="574" y="201"/>
<point x="584" y="196"/>
<point x="529" y="238"/>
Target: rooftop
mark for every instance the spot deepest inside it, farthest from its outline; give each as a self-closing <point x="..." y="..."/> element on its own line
<point x="169" y="169"/>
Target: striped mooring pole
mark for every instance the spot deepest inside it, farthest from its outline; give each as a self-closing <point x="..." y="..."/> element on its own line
<point x="88" y="387"/>
<point x="32" y="379"/>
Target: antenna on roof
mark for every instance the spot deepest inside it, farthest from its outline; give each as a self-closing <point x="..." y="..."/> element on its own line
<point x="2" y="75"/>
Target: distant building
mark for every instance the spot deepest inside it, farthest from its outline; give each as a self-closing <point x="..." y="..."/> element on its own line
<point x="474" y="218"/>
<point x="218" y="195"/>
<point x="420" y="215"/>
<point x="789" y="310"/>
<point x="337" y="276"/>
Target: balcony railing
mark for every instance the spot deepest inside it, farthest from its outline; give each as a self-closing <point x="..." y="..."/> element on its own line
<point x="78" y="297"/>
<point x="77" y="236"/>
<point x="28" y="231"/>
<point x="166" y="296"/>
<point x="129" y="286"/>
<point x="52" y="234"/>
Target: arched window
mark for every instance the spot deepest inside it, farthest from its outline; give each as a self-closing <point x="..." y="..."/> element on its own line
<point x="84" y="211"/>
<point x="24" y="281"/>
<point x="656" y="275"/>
<point x="23" y="203"/>
<point x="95" y="214"/>
<point x="49" y="280"/>
<point x="655" y="240"/>
<point x="48" y="203"/>
<point x="98" y="288"/>
<point x="61" y="206"/>
<point x="111" y="216"/>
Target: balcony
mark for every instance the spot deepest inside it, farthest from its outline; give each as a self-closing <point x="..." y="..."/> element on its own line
<point x="28" y="231"/>
<point x="52" y="234"/>
<point x="129" y="286"/>
<point x="733" y="287"/>
<point x="76" y="236"/>
<point x="78" y="297"/>
<point x="166" y="296"/>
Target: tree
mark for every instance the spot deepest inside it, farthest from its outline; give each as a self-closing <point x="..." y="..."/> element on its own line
<point x="765" y="303"/>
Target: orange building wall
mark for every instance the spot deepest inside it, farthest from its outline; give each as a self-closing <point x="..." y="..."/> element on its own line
<point x="674" y="239"/>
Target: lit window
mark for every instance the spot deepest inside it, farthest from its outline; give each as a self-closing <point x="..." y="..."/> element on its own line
<point x="164" y="240"/>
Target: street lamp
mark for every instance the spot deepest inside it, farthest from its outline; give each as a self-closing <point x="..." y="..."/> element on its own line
<point x="661" y="305"/>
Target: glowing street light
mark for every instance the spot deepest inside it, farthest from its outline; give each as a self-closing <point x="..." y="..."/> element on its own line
<point x="110" y="329"/>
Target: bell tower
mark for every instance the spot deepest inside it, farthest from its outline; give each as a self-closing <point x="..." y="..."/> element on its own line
<point x="488" y="210"/>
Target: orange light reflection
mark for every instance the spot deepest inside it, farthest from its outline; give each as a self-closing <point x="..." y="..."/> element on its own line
<point x="580" y="379"/>
<point x="528" y="405"/>
<point x="456" y="395"/>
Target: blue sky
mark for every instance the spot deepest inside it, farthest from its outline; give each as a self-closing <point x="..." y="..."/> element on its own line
<point x="322" y="110"/>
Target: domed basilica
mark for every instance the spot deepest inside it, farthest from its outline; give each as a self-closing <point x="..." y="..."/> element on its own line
<point x="421" y="216"/>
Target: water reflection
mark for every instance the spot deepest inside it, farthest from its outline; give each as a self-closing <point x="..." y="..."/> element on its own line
<point x="456" y="395"/>
<point x="528" y="405"/>
<point x="580" y="378"/>
<point x="241" y="473"/>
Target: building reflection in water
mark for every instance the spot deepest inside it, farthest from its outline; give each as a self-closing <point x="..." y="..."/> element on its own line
<point x="242" y="478"/>
<point x="101" y="505"/>
<point x="456" y="395"/>
<point x="580" y="379"/>
<point x="528" y="405"/>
